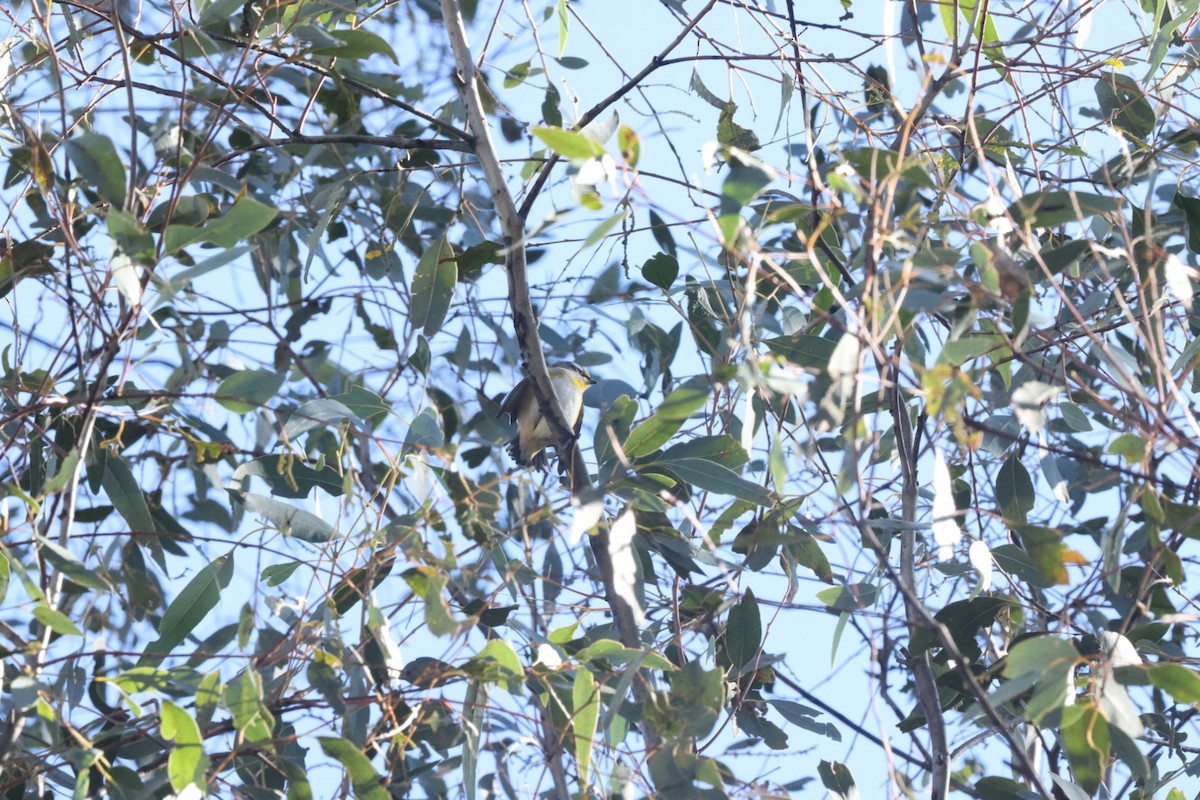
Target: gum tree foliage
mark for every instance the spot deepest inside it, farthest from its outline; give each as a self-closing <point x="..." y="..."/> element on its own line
<point x="888" y="484"/>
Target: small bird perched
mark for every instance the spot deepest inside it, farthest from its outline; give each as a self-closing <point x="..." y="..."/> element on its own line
<point x="528" y="448"/>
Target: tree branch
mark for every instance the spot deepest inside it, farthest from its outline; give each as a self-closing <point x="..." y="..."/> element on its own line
<point x="924" y="682"/>
<point x="525" y="323"/>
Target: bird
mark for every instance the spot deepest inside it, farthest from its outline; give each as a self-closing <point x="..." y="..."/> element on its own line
<point x="528" y="447"/>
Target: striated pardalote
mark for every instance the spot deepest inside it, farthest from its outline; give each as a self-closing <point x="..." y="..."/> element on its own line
<point x="528" y="448"/>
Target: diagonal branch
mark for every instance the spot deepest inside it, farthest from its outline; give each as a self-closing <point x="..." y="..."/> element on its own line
<point x="525" y="324"/>
<point x="924" y="681"/>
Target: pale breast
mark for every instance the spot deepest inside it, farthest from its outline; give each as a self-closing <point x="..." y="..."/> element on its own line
<point x="569" y="396"/>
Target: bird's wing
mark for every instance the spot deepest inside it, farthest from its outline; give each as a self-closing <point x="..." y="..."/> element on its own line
<point x="512" y="403"/>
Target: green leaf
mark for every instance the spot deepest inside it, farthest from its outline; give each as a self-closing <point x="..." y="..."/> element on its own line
<point x="715" y="478"/>
<point x="288" y="519"/>
<point x="187" y="763"/>
<point x="365" y="783"/>
<point x="433" y="287"/>
<point x="189" y="609"/>
<point x="245" y="218"/>
<point x="733" y="135"/>
<point x="356" y="44"/>
<point x="723" y="449"/>
<point x="356" y="583"/>
<point x="192" y="209"/>
<point x="695" y="699"/>
<point x="964" y="619"/>
<point x="1017" y="563"/>
<point x="851" y="597"/>
<point x="131" y="237"/>
<point x="675" y="409"/>
<point x="970" y="346"/>
<point x="1046" y="551"/>
<point x="1178" y="681"/>
<point x="564" y="19"/>
<point x="275" y="574"/>
<point x="1165" y="35"/>
<point x="249" y="389"/>
<point x="1190" y="206"/>
<point x="585" y="704"/>
<point x="984" y="28"/>
<point x="997" y="788"/>
<point x="289" y="477"/>
<point x="661" y="269"/>
<point x="1123" y="102"/>
<point x="630" y="144"/>
<point x="315" y="414"/>
<point x="1058" y="259"/>
<point x="743" y="634"/>
<point x="804" y="350"/>
<point x="474" y="258"/>
<point x="807" y="552"/>
<point x="517" y="74"/>
<point x="219" y="11"/>
<point x="126" y="495"/>
<point x="363" y="402"/>
<point x="743" y="183"/>
<point x="703" y="92"/>
<point x="56" y="621"/>
<point x="1085" y="737"/>
<point x="474" y="706"/>
<point x="425" y="432"/>
<point x="551" y="114"/>
<point x="836" y="777"/>
<point x="613" y="652"/>
<point x="96" y="158"/>
<point x="1014" y="490"/>
<point x="429" y="584"/>
<point x="1048" y="661"/>
<point x="1075" y="417"/>
<point x="65" y="562"/>
<point x="505" y="666"/>
<point x="569" y="144"/>
<point x="602" y="230"/>
<point x="801" y="716"/>
<point x="662" y="235"/>
<point x="1054" y="208"/>
<point x="243" y="696"/>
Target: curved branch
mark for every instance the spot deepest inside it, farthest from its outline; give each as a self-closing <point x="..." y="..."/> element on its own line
<point x="525" y="323"/>
<point x="924" y="681"/>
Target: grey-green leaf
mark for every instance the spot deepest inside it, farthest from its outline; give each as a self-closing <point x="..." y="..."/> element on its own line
<point x="804" y="350"/>
<point x="65" y="562"/>
<point x="1014" y="490"/>
<point x="126" y="495"/>
<point x="292" y="521"/>
<point x="365" y="783"/>
<point x="425" y="431"/>
<point x="433" y="287"/>
<point x="186" y="611"/>
<point x="1051" y="209"/>
<point x="96" y="158"/>
<point x="716" y="478"/>
<point x="249" y="389"/>
<point x="743" y="633"/>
